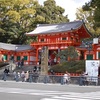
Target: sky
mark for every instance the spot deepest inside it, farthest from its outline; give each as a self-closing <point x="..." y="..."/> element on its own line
<point x="70" y="6"/>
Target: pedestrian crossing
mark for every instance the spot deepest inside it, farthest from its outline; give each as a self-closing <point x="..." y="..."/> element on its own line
<point x="53" y="95"/>
<point x="76" y="96"/>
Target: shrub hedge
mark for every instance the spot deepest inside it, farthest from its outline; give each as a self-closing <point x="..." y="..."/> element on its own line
<point x="70" y="66"/>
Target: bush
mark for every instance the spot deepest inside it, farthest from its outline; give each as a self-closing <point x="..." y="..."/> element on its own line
<point x="70" y="66"/>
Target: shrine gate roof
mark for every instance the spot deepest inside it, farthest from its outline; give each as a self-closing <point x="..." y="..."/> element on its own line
<point x="57" y="28"/>
<point x="15" y="47"/>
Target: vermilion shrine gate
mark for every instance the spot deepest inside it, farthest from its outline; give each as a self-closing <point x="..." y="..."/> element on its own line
<point x="56" y="37"/>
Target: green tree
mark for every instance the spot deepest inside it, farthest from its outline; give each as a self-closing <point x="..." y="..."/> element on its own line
<point x="52" y="13"/>
<point x="88" y="17"/>
<point x="16" y="18"/>
<point x="70" y="52"/>
<point x="20" y="16"/>
<point x="94" y="5"/>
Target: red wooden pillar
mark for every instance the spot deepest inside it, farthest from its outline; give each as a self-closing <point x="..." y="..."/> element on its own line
<point x="0" y="56"/>
<point x="37" y="52"/>
<point x="94" y="53"/>
<point x="29" y="58"/>
<point x="85" y="55"/>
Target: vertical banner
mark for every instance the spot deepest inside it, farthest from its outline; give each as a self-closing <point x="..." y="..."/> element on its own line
<point x="92" y="69"/>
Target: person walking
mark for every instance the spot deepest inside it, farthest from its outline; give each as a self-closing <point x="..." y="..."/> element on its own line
<point x="22" y="62"/>
<point x="2" y="58"/>
<point x="66" y="78"/>
<point x="17" y="76"/>
<point x="5" y="74"/>
<point x="30" y="76"/>
<point x="14" y="75"/>
<point x="12" y="58"/>
<point x="23" y="76"/>
<point x="82" y="79"/>
<point x="26" y="76"/>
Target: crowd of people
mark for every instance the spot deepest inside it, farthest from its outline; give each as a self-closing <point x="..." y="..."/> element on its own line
<point x="24" y="76"/>
<point x="33" y="75"/>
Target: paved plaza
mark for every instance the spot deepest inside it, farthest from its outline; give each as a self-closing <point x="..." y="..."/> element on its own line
<point x="11" y="90"/>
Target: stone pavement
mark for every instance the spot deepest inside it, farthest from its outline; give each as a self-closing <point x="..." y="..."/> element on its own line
<point x="41" y="91"/>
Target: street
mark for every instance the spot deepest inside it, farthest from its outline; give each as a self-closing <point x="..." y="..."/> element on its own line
<point x="11" y="90"/>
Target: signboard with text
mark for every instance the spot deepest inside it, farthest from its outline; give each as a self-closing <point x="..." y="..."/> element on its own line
<point x="92" y="69"/>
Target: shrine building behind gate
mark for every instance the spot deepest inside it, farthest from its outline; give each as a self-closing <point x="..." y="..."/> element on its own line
<point x="18" y="51"/>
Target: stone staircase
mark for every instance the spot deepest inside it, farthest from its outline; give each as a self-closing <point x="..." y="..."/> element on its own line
<point x="25" y="68"/>
<point x="10" y="65"/>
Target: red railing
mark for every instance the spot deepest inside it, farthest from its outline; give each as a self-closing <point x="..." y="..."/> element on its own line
<point x="71" y="74"/>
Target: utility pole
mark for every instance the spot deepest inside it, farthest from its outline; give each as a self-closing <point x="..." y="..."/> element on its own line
<point x="44" y="61"/>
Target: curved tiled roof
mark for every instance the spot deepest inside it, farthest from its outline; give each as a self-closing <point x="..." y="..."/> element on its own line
<point x="53" y="28"/>
<point x="15" y="47"/>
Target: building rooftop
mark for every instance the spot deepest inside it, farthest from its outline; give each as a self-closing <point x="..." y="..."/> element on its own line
<point x="55" y="28"/>
<point x="14" y="47"/>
